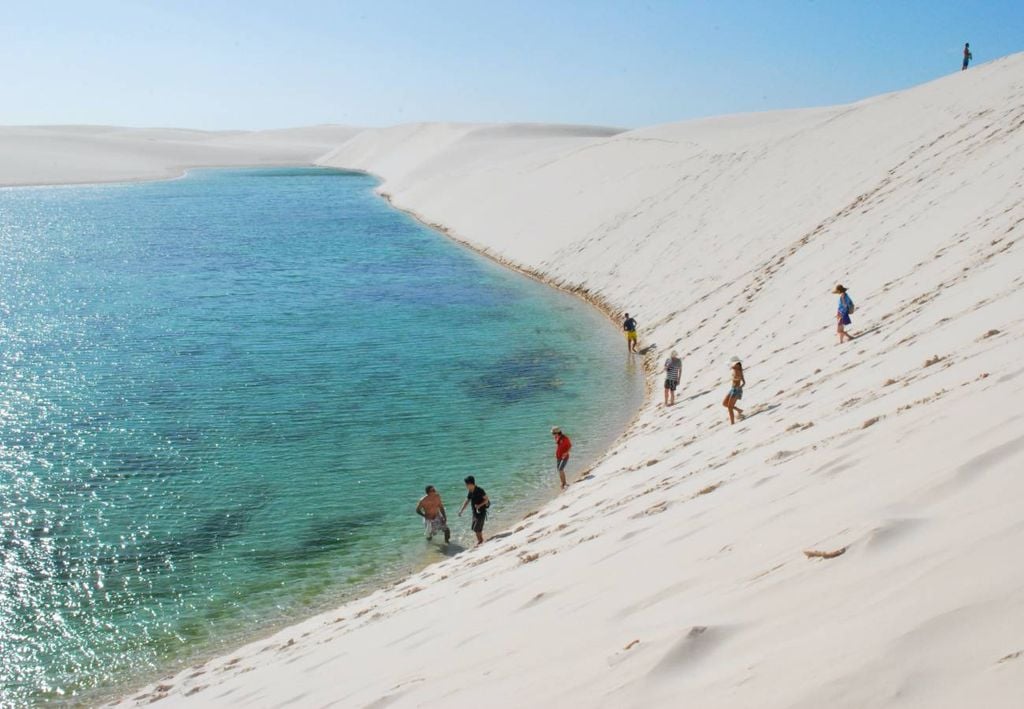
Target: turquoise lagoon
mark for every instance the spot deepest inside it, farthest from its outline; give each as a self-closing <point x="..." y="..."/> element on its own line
<point x="221" y="397"/>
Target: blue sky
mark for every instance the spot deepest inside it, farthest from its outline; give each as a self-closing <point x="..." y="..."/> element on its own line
<point x="263" y="64"/>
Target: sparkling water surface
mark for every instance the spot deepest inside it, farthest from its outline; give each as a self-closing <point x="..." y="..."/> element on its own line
<point x="221" y="397"/>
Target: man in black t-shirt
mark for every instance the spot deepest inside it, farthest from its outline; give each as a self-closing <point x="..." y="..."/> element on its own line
<point x="478" y="498"/>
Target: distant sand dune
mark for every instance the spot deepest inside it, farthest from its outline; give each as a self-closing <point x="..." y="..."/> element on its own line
<point x="70" y="154"/>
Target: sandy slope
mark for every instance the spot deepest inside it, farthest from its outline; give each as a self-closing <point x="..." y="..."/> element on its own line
<point x="68" y="154"/>
<point x="674" y="575"/>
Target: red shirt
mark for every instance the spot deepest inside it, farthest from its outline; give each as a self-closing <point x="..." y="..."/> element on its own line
<point x="562" y="446"/>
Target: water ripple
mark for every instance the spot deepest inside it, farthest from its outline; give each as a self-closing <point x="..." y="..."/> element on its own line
<point x="221" y="396"/>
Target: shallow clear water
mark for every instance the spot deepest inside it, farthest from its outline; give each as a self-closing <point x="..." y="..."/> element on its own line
<point x="221" y="396"/>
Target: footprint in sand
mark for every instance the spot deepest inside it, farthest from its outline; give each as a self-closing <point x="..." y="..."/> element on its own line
<point x="709" y="489"/>
<point x="698" y="642"/>
<point x="535" y="600"/>
<point x="758" y="577"/>
<point x="891" y="533"/>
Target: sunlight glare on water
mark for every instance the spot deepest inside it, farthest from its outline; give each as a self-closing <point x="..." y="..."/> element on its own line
<point x="221" y="396"/>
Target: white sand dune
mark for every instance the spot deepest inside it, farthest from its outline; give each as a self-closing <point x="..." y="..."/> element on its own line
<point x="675" y="574"/>
<point x="72" y="154"/>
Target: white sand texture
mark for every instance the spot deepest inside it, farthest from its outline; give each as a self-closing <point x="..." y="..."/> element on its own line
<point x="47" y="155"/>
<point x="677" y="573"/>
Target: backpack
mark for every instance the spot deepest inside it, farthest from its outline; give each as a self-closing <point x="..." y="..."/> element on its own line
<point x="850" y="307"/>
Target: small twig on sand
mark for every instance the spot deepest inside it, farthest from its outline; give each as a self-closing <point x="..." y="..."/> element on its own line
<point x="816" y="554"/>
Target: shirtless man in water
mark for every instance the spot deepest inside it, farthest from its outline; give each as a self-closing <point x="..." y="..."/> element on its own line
<point x="435" y="519"/>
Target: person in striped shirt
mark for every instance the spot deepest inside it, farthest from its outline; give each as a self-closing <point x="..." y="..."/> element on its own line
<point x="673" y="372"/>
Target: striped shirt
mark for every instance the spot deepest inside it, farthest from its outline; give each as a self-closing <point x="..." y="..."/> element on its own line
<point x="673" y="368"/>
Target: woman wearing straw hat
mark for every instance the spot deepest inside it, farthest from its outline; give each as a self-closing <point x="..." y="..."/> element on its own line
<point x="843" y="313"/>
<point x="736" y="391"/>
<point x="673" y="372"/>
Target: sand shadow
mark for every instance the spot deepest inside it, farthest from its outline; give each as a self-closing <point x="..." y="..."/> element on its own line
<point x="758" y="412"/>
<point x="869" y="331"/>
<point x="451" y="549"/>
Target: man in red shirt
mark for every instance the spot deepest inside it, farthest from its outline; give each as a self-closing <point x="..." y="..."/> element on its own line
<point x="562" y="446"/>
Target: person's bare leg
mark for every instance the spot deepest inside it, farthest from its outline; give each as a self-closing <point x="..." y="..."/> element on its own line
<point x="479" y="537"/>
<point x="666" y="396"/>
<point x="561" y="476"/>
<point x="447" y="535"/>
<point x="843" y="334"/>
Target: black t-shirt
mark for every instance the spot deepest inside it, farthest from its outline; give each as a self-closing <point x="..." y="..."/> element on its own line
<point x="629" y="325"/>
<point x="477" y="498"/>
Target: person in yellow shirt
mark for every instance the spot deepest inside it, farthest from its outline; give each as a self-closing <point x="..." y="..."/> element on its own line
<point x="629" y="327"/>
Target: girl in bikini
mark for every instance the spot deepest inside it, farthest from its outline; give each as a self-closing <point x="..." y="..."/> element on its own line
<point x="736" y="392"/>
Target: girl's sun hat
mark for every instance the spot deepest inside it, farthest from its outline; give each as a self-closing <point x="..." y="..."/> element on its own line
<point x="555" y="429"/>
<point x="839" y="289"/>
<point x="734" y="360"/>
